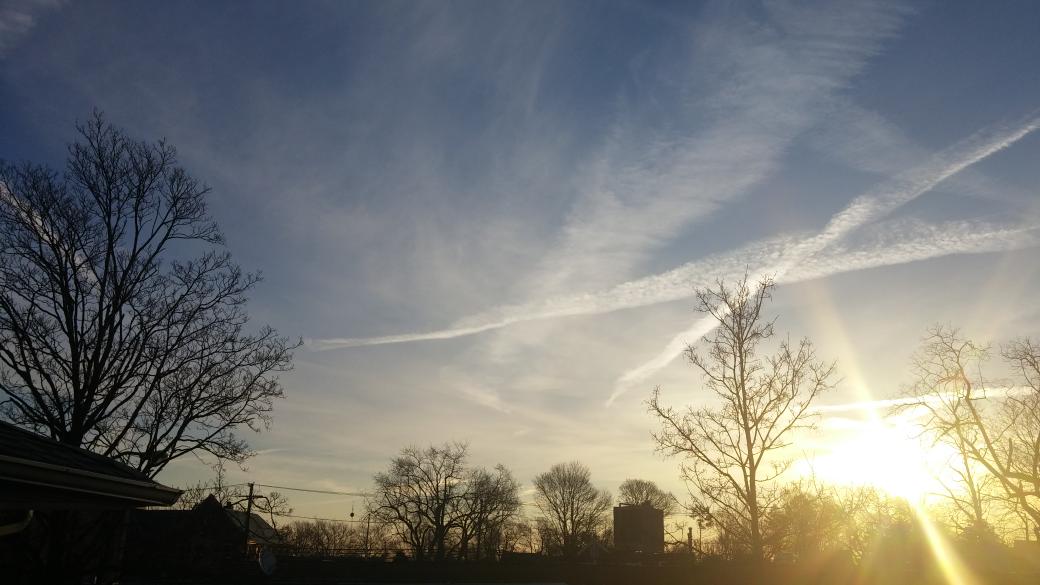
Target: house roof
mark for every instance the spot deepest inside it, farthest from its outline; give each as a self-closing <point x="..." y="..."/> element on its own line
<point x="39" y="472"/>
<point x="209" y="523"/>
<point x="259" y="530"/>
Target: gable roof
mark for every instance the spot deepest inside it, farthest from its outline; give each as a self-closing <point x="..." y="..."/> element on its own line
<point x="39" y="472"/>
<point x="259" y="529"/>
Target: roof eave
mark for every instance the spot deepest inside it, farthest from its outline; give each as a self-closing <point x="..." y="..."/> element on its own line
<point x="134" y="492"/>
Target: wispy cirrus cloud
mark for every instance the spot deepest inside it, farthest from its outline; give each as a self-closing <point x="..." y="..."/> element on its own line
<point x="777" y="256"/>
<point x="746" y="84"/>
<point x="898" y="243"/>
<point x="768" y="77"/>
<point x="866" y="208"/>
<point x="890" y="403"/>
<point x="918" y="242"/>
<point x="866" y="141"/>
<point x="17" y="18"/>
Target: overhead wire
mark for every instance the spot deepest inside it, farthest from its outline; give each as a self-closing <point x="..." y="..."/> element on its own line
<point x="314" y="491"/>
<point x="354" y="494"/>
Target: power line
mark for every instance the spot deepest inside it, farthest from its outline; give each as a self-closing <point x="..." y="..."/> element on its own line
<point x="369" y="494"/>
<point x="222" y="486"/>
<point x="312" y="491"/>
<point x="284" y="515"/>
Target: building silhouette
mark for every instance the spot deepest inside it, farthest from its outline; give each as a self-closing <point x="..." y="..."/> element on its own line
<point x="638" y="528"/>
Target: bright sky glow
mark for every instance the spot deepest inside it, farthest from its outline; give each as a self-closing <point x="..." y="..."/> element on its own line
<point x="887" y="452"/>
<point x="487" y="219"/>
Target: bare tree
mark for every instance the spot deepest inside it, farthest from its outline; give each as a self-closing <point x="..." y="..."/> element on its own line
<point x="492" y="501"/>
<point x="439" y="507"/>
<point x="992" y="424"/>
<point x="975" y="504"/>
<point x="217" y="487"/>
<point x="517" y="535"/>
<point x="573" y="511"/>
<point x="642" y="491"/>
<point x="422" y="496"/>
<point x="323" y="538"/>
<point x="274" y="504"/>
<point x="806" y="523"/>
<point x="730" y="449"/>
<point x="111" y="336"/>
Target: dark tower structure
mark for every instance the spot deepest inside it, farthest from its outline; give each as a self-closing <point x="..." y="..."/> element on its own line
<point x="638" y="528"/>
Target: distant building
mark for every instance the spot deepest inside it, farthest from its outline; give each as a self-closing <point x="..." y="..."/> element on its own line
<point x="638" y="529"/>
<point x="210" y="538"/>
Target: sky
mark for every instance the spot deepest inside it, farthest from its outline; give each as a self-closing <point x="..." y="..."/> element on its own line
<point x="487" y="220"/>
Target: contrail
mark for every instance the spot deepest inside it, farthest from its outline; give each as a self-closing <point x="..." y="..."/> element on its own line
<point x="341" y="342"/>
<point x="672" y="285"/>
<point x="906" y="187"/>
<point x="873" y="405"/>
<point x="870" y="206"/>
<point x="942" y="240"/>
<point x="918" y="242"/>
<point x="679" y="283"/>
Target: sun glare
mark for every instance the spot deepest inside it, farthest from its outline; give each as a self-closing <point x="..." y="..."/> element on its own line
<point x="886" y="453"/>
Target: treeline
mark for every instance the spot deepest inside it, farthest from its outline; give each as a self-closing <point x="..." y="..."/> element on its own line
<point x="733" y="452"/>
<point x="810" y="522"/>
<point x="432" y="505"/>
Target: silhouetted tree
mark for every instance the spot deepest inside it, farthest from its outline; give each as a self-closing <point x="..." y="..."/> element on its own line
<point x="438" y="506"/>
<point x="573" y="511"/>
<point x="112" y="337"/>
<point x="218" y="487"/>
<point x="805" y="524"/>
<point x="326" y="538"/>
<point x="868" y="515"/>
<point x="642" y="491"/>
<point x="517" y="535"/>
<point x="491" y="502"/>
<point x="728" y="447"/>
<point x="273" y="504"/>
<point x="422" y="496"/>
<point x="992" y="423"/>
<point x="322" y="538"/>
<point x="814" y="521"/>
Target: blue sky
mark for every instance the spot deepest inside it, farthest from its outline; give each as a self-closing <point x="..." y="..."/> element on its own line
<point x="541" y="186"/>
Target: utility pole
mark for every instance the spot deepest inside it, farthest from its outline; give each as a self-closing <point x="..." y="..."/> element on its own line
<point x="700" y="535"/>
<point x="249" y="514"/>
<point x="368" y="524"/>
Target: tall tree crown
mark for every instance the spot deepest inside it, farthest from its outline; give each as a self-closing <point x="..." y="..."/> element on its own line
<point x="112" y="336"/>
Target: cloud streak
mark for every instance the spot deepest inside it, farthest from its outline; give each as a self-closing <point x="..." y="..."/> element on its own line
<point x="887" y="403"/>
<point x="924" y="243"/>
<point x="866" y="208"/>
<point x="916" y="241"/>
<point x="769" y="77"/>
<point x="18" y="17"/>
<point x="777" y="256"/>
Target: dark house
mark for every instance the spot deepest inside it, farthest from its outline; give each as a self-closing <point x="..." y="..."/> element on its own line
<point x="63" y="509"/>
<point x="37" y="473"/>
<point x="638" y="529"/>
<point x="209" y="539"/>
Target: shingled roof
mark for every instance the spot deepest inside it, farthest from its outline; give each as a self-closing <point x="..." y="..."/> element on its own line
<point x="38" y="472"/>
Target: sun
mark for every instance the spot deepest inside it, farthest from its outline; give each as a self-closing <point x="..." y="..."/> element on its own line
<point x="884" y="452"/>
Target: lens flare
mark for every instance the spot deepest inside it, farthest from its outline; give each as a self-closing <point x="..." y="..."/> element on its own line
<point x="884" y="449"/>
